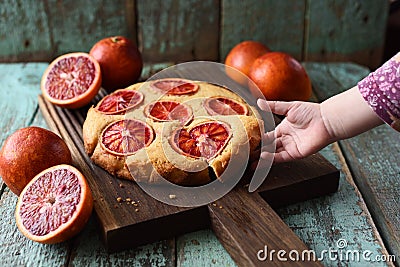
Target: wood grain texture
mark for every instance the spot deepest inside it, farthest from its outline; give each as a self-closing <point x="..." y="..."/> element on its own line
<point x="330" y="78"/>
<point x="377" y="174"/>
<point x="41" y="30"/>
<point x="24" y="31"/>
<point x="20" y="87"/>
<point x="342" y="215"/>
<point x="277" y="24"/>
<point x="371" y="156"/>
<point x="202" y="248"/>
<point x="88" y="250"/>
<point x="18" y="105"/>
<point x="346" y="31"/>
<point x="245" y="224"/>
<point x="77" y="25"/>
<point x="16" y="249"/>
<point x="178" y="30"/>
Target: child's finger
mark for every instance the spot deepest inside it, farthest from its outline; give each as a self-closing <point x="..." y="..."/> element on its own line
<point x="277" y="107"/>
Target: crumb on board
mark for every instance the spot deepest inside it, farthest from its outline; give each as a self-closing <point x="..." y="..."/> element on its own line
<point x="136" y="210"/>
<point x="220" y="207"/>
<point x="121" y="185"/>
<point x="214" y="204"/>
<point x="128" y="199"/>
<point x="119" y="199"/>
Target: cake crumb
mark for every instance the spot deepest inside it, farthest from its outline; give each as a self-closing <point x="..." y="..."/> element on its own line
<point x="121" y="185"/>
<point x="136" y="210"/>
<point x="172" y="196"/>
<point x="214" y="204"/>
<point x="220" y="207"/>
<point x="119" y="199"/>
<point x="128" y="199"/>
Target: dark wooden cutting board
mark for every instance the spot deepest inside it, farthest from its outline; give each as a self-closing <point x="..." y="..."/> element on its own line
<point x="244" y="222"/>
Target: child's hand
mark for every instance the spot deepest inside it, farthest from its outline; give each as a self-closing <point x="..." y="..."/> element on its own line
<point x="302" y="133"/>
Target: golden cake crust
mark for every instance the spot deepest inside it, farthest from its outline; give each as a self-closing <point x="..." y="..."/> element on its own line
<point x="160" y="159"/>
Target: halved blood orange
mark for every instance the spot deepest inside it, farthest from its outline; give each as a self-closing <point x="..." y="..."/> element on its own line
<point x="55" y="205"/>
<point x="120" y="101"/>
<point x="175" y="86"/>
<point x="224" y="106"/>
<point x="125" y="137"/>
<point x="71" y="80"/>
<point x="169" y="111"/>
<point x="204" y="140"/>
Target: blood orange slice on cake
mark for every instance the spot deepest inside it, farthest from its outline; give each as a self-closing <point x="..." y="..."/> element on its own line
<point x="204" y="140"/>
<point x="224" y="106"/>
<point x="169" y="111"/>
<point x="55" y="205"/>
<point x="71" y="80"/>
<point x="125" y="137"/>
<point x="175" y="86"/>
<point x="120" y="101"/>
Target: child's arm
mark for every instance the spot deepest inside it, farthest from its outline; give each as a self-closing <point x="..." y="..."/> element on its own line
<point x="347" y="114"/>
<point x="308" y="127"/>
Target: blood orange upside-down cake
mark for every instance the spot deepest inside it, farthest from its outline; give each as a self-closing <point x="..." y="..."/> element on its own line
<point x="187" y="132"/>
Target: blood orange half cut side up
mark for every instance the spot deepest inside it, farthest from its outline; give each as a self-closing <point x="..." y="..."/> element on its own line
<point x="71" y="80"/>
<point x="125" y="137"/>
<point x="169" y="111"/>
<point x="224" y="106"/>
<point x="205" y="140"/>
<point x="55" y="205"/>
<point x="175" y="86"/>
<point x="120" y="101"/>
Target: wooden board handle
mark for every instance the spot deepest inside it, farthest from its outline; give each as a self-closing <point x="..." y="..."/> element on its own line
<point x="249" y="228"/>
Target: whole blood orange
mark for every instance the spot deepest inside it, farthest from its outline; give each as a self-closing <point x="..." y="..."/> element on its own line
<point x="120" y="61"/>
<point x="280" y="77"/>
<point x="71" y="80"/>
<point x="241" y="57"/>
<point x="29" y="151"/>
<point x="55" y="205"/>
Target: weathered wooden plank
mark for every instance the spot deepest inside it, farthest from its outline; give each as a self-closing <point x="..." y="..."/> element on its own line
<point x="178" y="31"/>
<point x="78" y="25"/>
<point x="346" y="31"/>
<point x="41" y="30"/>
<point x="18" y="105"/>
<point x="371" y="156"/>
<point x="20" y="87"/>
<point x="330" y="78"/>
<point x="24" y="31"/>
<point x="88" y="250"/>
<point x="16" y="249"/>
<point x="202" y="248"/>
<point x="323" y="222"/>
<point x="277" y="24"/>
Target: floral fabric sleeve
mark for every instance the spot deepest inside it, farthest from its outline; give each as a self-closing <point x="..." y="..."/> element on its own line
<point x="381" y="89"/>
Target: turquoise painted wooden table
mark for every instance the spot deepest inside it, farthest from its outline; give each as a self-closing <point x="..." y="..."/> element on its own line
<point x="364" y="214"/>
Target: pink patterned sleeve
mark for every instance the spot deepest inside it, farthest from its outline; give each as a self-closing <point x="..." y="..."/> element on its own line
<point x="381" y="90"/>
